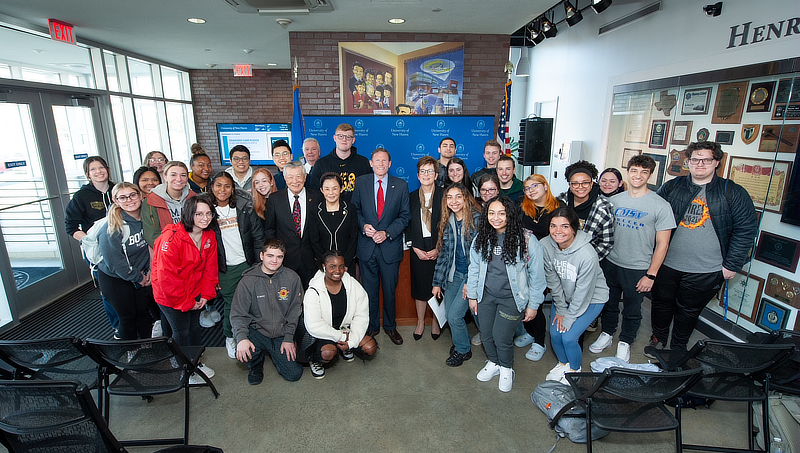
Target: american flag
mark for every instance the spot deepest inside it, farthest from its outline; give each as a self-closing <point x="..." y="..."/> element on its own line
<point x="503" y="135"/>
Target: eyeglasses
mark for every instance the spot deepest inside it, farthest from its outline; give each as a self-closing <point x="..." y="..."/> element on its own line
<point x="706" y="161"/>
<point x="531" y="187"/>
<point x="345" y="137"/>
<point x="282" y="154"/>
<point x="427" y="172"/>
<point x="200" y="215"/>
<point x="239" y="159"/>
<point x="582" y="185"/>
<point x="157" y="160"/>
<point x="126" y="198"/>
<point x="488" y="191"/>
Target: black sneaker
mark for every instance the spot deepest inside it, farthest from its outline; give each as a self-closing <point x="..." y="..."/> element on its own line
<point x="348" y="355"/>
<point x="593" y="326"/>
<point x="317" y="370"/>
<point x="654" y="345"/>
<point x="456" y="358"/>
<point x="256" y="375"/>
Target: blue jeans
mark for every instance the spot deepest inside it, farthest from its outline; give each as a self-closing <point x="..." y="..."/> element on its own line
<point x="456" y="307"/>
<point x="565" y="344"/>
<point x="291" y="371"/>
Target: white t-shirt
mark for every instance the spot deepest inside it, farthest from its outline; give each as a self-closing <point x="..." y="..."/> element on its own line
<point x="231" y="238"/>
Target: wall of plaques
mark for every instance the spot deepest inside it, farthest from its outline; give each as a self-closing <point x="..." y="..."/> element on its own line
<point x="754" y="113"/>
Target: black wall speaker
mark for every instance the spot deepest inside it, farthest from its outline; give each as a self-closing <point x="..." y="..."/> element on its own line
<point x="538" y="140"/>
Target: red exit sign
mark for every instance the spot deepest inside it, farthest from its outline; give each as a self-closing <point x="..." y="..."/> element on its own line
<point x="243" y="70"/>
<point x="61" y="31"/>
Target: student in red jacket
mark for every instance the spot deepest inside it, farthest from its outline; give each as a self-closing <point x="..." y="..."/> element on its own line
<point x="185" y="271"/>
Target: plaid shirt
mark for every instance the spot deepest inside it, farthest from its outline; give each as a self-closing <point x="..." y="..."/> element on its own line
<point x="445" y="264"/>
<point x="599" y="223"/>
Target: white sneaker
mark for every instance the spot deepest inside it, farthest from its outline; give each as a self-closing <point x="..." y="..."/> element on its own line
<point x="506" y="379"/>
<point x="476" y="340"/>
<point x="214" y="314"/>
<point x="536" y="352"/>
<point x="317" y="370"/>
<point x="230" y="346"/>
<point x="157" y="330"/>
<point x="523" y="340"/>
<point x="564" y="380"/>
<point x="557" y="372"/>
<point x="205" y="319"/>
<point x="195" y="378"/>
<point x="489" y="371"/>
<point x="624" y="351"/>
<point x="601" y="343"/>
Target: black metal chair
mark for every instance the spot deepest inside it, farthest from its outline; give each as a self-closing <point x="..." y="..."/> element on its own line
<point x="731" y="372"/>
<point x="626" y="400"/>
<point x="148" y="367"/>
<point x="52" y="416"/>
<point x="785" y="375"/>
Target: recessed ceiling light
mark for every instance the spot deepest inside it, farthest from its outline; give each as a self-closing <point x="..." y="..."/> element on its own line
<point x="196" y="20"/>
<point x="38" y="51"/>
<point x="272" y="64"/>
<point x="247" y="50"/>
<point x="396" y="20"/>
<point x="437" y="10"/>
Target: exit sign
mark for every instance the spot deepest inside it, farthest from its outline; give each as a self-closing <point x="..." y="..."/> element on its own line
<point x="243" y="70"/>
<point x="61" y="31"/>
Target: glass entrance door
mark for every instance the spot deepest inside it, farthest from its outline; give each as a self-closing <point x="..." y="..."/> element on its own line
<point x="44" y="139"/>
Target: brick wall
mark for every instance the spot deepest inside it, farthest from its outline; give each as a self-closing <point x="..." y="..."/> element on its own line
<point x="267" y="96"/>
<point x="219" y="97"/>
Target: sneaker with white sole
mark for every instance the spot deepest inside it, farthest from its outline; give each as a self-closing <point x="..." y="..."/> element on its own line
<point x="536" y="352"/>
<point x="557" y="372"/>
<point x="214" y="314"/>
<point x="205" y="319"/>
<point x="564" y="380"/>
<point x="624" y="351"/>
<point x="195" y="378"/>
<point x="593" y="326"/>
<point x="317" y="370"/>
<point x="653" y="346"/>
<point x="476" y="340"/>
<point x="602" y="342"/>
<point x="348" y="355"/>
<point x="230" y="346"/>
<point x="489" y="371"/>
<point x="506" y="379"/>
<point x="523" y="340"/>
<point x="157" y="330"/>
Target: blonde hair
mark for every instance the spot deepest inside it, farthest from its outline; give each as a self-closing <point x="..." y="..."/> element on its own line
<point x="115" y="221"/>
<point x="260" y="201"/>
<point x="550" y="202"/>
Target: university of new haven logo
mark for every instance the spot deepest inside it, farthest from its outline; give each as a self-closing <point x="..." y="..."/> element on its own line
<point x="359" y="123"/>
<point x="317" y="123"/>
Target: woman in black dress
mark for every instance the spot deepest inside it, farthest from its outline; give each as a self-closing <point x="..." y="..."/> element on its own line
<point x="421" y="234"/>
<point x="333" y="223"/>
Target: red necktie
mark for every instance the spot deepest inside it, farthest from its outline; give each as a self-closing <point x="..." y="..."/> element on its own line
<point x="296" y="214"/>
<point x="380" y="199"/>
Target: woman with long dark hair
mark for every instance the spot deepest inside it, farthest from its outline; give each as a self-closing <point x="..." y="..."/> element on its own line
<point x="457" y="173"/>
<point x="239" y="240"/>
<point x="505" y="284"/>
<point x="488" y="187"/>
<point x="611" y="182"/>
<point x="147" y="178"/>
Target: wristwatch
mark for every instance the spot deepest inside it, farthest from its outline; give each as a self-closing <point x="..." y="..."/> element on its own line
<point x="650" y="276"/>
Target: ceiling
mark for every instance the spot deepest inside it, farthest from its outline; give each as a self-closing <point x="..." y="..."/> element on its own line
<point x="159" y="29"/>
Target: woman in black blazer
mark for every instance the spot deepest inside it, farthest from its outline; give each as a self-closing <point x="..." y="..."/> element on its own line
<point x="421" y="234"/>
<point x="333" y="223"/>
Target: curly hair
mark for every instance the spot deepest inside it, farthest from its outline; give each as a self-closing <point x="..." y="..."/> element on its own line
<point x="470" y="206"/>
<point x="581" y="166"/>
<point x="514" y="244"/>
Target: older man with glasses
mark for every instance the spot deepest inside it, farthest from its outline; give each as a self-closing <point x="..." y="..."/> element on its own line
<point x="717" y="224"/>
<point x="344" y="160"/>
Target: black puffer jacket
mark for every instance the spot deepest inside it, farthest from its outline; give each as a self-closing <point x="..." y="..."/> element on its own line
<point x="731" y="210"/>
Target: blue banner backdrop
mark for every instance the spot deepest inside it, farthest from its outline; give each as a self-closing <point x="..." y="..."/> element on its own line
<point x="407" y="138"/>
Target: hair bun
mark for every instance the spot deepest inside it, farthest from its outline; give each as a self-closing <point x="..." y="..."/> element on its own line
<point x="197" y="149"/>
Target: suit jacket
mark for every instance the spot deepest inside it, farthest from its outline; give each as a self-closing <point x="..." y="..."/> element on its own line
<point x="414" y="230"/>
<point x="394" y="220"/>
<point x="278" y="223"/>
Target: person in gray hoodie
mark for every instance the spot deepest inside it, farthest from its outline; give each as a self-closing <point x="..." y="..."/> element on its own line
<point x="124" y="271"/>
<point x="165" y="203"/>
<point x="579" y="289"/>
<point x="264" y="315"/>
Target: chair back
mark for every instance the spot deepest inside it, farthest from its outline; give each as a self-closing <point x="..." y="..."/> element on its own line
<point x="53" y="358"/>
<point x="740" y="358"/>
<point x="647" y="386"/>
<point x="40" y="415"/>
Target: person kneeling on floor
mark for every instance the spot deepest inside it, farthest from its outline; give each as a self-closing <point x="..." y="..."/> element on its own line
<point x="336" y="314"/>
<point x="264" y="315"/>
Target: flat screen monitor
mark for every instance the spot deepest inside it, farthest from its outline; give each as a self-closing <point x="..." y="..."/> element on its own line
<point x="257" y="137"/>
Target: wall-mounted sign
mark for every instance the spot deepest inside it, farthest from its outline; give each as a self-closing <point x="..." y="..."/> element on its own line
<point x="16" y="163"/>
<point x="243" y="70"/>
<point x="80" y="156"/>
<point x="61" y="31"/>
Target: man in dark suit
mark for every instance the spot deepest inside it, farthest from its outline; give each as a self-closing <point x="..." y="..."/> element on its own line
<point x="382" y="205"/>
<point x="285" y="216"/>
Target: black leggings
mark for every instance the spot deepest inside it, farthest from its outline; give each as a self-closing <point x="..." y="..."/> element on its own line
<point x="130" y="303"/>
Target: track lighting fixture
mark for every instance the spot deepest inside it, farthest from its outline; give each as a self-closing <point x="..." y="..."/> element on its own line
<point x="573" y="15"/>
<point x="600" y="5"/>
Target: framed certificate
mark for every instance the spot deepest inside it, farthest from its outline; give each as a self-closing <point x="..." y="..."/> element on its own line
<point x="743" y="295"/>
<point x="695" y="101"/>
<point x="771" y="316"/>
<point x="765" y="181"/>
<point x="681" y="133"/>
<point x="658" y="134"/>
<point x="627" y="153"/>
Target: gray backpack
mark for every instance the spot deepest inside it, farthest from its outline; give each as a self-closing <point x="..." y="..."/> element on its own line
<point x="550" y="397"/>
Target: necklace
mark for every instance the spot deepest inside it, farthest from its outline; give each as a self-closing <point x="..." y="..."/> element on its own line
<point x="539" y="215"/>
<point x="225" y="214"/>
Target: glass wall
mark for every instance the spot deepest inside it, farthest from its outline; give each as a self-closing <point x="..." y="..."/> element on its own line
<point x="754" y="113"/>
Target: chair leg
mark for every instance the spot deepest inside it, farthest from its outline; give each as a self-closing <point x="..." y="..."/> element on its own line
<point x="589" y="426"/>
<point x="678" y="434"/>
<point x="186" y="416"/>
<point x="765" y="413"/>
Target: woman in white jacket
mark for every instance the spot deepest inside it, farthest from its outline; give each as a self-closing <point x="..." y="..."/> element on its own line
<point x="336" y="311"/>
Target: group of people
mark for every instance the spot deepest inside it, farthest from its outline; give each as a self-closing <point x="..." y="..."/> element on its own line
<point x="301" y="257"/>
<point x="370" y="89"/>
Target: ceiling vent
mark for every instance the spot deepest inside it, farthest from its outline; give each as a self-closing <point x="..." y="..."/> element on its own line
<point x="282" y="7"/>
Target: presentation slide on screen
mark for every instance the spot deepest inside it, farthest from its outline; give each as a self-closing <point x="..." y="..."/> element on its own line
<point x="258" y="138"/>
<point x="407" y="138"/>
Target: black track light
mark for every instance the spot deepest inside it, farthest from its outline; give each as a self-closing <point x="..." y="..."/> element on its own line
<point x="600" y="5"/>
<point x="549" y="29"/>
<point x="573" y="15"/>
